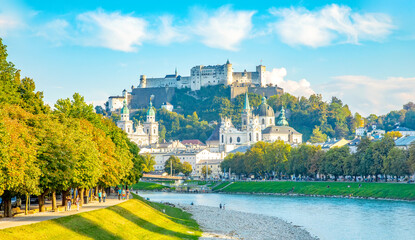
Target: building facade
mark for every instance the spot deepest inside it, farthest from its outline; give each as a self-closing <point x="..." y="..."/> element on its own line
<point x="144" y="134"/>
<point x="257" y="125"/>
<point x="202" y="76"/>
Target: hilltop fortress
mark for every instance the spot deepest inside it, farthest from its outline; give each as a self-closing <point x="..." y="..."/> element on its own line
<point x="163" y="89"/>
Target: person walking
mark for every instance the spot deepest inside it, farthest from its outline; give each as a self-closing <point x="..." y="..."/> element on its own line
<point x="100" y="196"/>
<point x="128" y="193"/>
<point x="119" y="194"/>
<point x="104" y="195"/>
<point x="77" y="203"/>
<point x="68" y="199"/>
<point x="123" y="194"/>
<point x="220" y="205"/>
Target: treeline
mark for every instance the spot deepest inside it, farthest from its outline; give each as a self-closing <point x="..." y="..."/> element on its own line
<point x="316" y="119"/>
<point x="279" y="160"/>
<point x="48" y="151"/>
<point x="174" y="126"/>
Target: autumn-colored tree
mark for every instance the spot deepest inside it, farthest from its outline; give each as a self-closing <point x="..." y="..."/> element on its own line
<point x="394" y="134"/>
<point x="187" y="168"/>
<point x="19" y="173"/>
<point x="204" y="171"/>
<point x="173" y="165"/>
<point x="148" y="163"/>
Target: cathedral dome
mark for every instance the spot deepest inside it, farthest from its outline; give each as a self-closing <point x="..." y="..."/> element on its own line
<point x="264" y="110"/>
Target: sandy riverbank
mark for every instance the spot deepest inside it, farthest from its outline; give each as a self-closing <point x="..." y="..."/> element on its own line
<point x="228" y="224"/>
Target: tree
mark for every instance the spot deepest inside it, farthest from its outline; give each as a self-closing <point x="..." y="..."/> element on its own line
<point x="394" y="134"/>
<point x="334" y="161"/>
<point x="318" y="136"/>
<point x="396" y="163"/>
<point x="187" y="168"/>
<point x="148" y="163"/>
<point x="19" y="173"/>
<point x="173" y="165"/>
<point x="204" y="171"/>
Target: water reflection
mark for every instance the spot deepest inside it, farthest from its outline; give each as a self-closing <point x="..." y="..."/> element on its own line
<point x="327" y="218"/>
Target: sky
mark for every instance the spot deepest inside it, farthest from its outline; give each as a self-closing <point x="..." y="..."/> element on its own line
<point x="362" y="52"/>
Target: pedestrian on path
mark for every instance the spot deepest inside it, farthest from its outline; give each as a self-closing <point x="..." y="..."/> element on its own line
<point x="100" y="196"/>
<point x="128" y="193"/>
<point x="104" y="195"/>
<point x="123" y="194"/>
<point x="119" y="194"/>
<point x="68" y="203"/>
<point x="77" y="203"/>
<point x="220" y="205"/>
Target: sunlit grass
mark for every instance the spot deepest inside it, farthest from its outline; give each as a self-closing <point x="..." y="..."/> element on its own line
<point x="134" y="219"/>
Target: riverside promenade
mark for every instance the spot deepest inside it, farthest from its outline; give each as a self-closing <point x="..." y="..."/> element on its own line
<point x="22" y="219"/>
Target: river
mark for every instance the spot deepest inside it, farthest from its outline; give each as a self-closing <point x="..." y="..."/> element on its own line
<point x="326" y="218"/>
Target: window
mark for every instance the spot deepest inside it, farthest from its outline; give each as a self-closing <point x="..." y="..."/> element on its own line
<point x="238" y="139"/>
<point x="270" y="121"/>
<point x="147" y="131"/>
<point x="244" y="122"/>
<point x="222" y="138"/>
<point x="263" y="121"/>
<point x="154" y="131"/>
<point x="230" y="140"/>
<point x="250" y="137"/>
<point x="257" y="137"/>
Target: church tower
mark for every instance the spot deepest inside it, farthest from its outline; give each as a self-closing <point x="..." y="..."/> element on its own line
<point x="151" y="127"/>
<point x="246" y="113"/>
<point x="125" y="123"/>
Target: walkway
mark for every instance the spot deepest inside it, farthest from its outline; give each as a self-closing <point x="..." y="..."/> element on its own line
<point x="22" y="219"/>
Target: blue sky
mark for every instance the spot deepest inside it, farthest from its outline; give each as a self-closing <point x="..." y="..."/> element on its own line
<point x="360" y="51"/>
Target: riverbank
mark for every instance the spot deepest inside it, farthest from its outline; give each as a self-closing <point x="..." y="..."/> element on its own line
<point x="228" y="224"/>
<point x="389" y="191"/>
<point x="133" y="219"/>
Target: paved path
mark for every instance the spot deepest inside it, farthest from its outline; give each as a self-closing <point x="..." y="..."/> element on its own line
<point x="20" y="220"/>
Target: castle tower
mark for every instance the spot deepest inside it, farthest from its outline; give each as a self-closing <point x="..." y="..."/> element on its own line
<point x="151" y="127"/>
<point x="260" y="69"/>
<point x="229" y="73"/>
<point x="143" y="81"/>
<point x="246" y="113"/>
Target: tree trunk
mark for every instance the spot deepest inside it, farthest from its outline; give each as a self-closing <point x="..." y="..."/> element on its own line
<point x="96" y="191"/>
<point x="7" y="203"/>
<point x="54" y="200"/>
<point x="41" y="198"/>
<point x="26" y="204"/>
<point x="81" y="196"/>
<point x="64" y="196"/>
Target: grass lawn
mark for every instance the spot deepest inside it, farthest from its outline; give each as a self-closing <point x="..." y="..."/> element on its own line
<point x="376" y="190"/>
<point x="134" y="219"/>
<point x="148" y="186"/>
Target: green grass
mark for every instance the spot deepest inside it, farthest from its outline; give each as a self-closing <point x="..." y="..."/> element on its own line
<point x="376" y="190"/>
<point x="220" y="186"/>
<point x="148" y="186"/>
<point x="134" y="219"/>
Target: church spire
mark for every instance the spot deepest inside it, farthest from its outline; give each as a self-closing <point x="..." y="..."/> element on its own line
<point x="282" y="120"/>
<point x="175" y="71"/>
<point x="246" y="104"/>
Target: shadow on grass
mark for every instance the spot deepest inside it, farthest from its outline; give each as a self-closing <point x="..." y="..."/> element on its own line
<point x="148" y="225"/>
<point x="86" y="227"/>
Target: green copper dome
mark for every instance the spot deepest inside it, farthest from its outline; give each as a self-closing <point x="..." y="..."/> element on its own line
<point x="282" y="121"/>
<point x="264" y="110"/>
<point x="124" y="109"/>
<point x="151" y="111"/>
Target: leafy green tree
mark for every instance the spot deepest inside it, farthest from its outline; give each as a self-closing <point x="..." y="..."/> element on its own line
<point x="148" y="163"/>
<point x="209" y="171"/>
<point x="187" y="168"/>
<point x="396" y="163"/>
<point x="19" y="173"/>
<point x="318" y="136"/>
<point x="334" y="160"/>
<point x="173" y="165"/>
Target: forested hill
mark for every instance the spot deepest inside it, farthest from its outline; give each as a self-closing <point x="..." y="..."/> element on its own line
<point x="311" y="116"/>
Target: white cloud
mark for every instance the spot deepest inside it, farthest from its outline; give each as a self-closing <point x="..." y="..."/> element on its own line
<point x="55" y="31"/>
<point x="331" y="24"/>
<point x="167" y="33"/>
<point x="297" y="88"/>
<point x="367" y="95"/>
<point x="223" y="28"/>
<point x="111" y="30"/>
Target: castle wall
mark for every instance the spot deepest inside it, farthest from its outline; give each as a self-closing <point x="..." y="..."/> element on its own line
<point x="141" y="96"/>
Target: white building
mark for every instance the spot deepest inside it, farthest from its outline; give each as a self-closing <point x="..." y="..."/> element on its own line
<point x="202" y="76"/>
<point x="257" y="125"/>
<point x="144" y="134"/>
<point x="168" y="106"/>
<point x="404" y="131"/>
<point x="375" y="133"/>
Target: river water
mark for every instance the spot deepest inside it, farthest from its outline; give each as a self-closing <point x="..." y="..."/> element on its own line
<point x="326" y="218"/>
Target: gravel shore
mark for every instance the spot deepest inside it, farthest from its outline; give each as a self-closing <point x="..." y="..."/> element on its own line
<point x="229" y="224"/>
